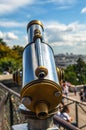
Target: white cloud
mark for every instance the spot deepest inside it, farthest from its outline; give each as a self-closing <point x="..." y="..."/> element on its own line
<point x="7" y="6"/>
<point x="56" y="26"/>
<point x="11" y="36"/>
<point x="5" y="23"/>
<point x="61" y="37"/>
<point x="28" y="16"/>
<point x="83" y="10"/>
<point x="68" y="36"/>
<point x="25" y="39"/>
<point x="1" y="35"/>
<point x="65" y="1"/>
<point x="57" y="1"/>
<point x="63" y="7"/>
<point x="12" y="39"/>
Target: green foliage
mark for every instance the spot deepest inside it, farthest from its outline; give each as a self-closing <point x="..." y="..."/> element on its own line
<point x="76" y="74"/>
<point x="18" y="49"/>
<point x="70" y="75"/>
<point x="2" y="42"/>
<point x="10" y="58"/>
<point x="10" y="63"/>
<point x="4" y="50"/>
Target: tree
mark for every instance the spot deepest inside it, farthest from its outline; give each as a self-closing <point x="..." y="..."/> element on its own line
<point x="70" y="74"/>
<point x="10" y="58"/>
<point x="2" y="42"/>
<point x="18" y="49"/>
<point x="10" y="63"/>
<point x="4" y="50"/>
<point x="80" y="69"/>
<point x="76" y="74"/>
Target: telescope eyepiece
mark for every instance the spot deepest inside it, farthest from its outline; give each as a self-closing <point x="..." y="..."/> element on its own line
<point x="41" y="72"/>
<point x="41" y="75"/>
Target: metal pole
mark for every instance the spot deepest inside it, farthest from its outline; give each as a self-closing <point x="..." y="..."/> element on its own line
<point x="9" y="90"/>
<point x="11" y="111"/>
<point x="2" y="104"/>
<point x="76" y="113"/>
<point x="64" y="123"/>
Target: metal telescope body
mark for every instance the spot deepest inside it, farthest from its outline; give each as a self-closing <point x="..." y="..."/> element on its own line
<point x="41" y="91"/>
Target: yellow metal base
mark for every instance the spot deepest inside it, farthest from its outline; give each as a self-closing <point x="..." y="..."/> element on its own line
<point x="42" y="91"/>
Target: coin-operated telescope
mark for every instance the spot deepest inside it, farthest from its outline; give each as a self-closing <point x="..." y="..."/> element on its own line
<point x="41" y="91"/>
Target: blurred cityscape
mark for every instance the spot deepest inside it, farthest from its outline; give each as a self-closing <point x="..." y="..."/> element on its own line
<point x="64" y="60"/>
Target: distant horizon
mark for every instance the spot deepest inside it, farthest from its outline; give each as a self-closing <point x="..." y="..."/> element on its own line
<point x="69" y="54"/>
<point x="65" y="53"/>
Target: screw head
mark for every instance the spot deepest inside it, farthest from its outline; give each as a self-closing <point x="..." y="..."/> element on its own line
<point x="57" y="94"/>
<point x="26" y="101"/>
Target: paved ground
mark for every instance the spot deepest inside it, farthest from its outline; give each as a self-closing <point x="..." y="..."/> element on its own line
<point x="5" y="77"/>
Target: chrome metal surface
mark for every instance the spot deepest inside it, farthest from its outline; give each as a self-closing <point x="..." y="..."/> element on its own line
<point x="38" y="54"/>
<point x="39" y="73"/>
<point x="31" y="29"/>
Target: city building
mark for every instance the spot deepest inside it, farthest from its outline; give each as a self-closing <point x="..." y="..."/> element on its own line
<point x="64" y="60"/>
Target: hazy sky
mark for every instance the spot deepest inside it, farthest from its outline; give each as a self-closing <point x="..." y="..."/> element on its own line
<point x="64" y="23"/>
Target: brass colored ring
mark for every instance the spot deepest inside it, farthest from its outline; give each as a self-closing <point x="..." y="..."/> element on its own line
<point x="37" y="36"/>
<point x="36" y="31"/>
<point x="41" y="69"/>
<point x="35" y="22"/>
<point x="60" y="73"/>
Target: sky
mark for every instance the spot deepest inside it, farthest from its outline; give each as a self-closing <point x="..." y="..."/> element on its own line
<point x="64" y="23"/>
